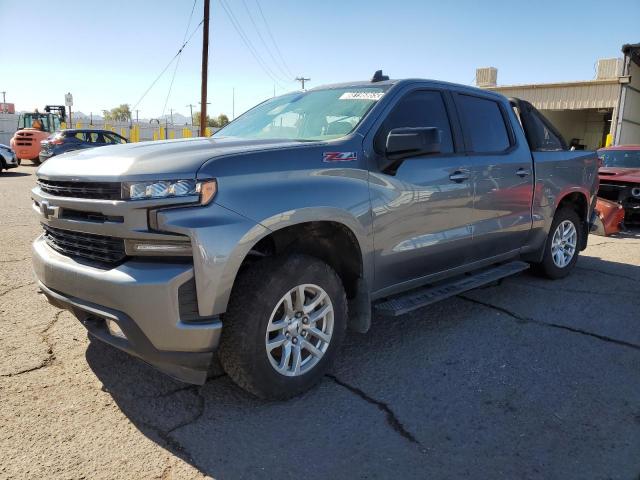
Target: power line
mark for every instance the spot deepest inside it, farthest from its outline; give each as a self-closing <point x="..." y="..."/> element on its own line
<point x="275" y="44"/>
<point x="173" y="77"/>
<point x="266" y="46"/>
<point x="168" y="65"/>
<point x="248" y="44"/>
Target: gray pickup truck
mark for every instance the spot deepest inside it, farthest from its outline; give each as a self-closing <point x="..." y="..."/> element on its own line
<point x="263" y="244"/>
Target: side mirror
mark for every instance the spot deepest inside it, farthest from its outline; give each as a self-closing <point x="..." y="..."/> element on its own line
<point x="412" y="142"/>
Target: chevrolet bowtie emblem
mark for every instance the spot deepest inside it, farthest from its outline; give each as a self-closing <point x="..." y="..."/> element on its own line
<point x="49" y="211"/>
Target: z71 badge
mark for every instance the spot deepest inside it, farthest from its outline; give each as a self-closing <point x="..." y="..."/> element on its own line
<point x="339" y="156"/>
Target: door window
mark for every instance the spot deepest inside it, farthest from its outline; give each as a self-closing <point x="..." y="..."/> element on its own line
<point x="423" y="108"/>
<point x="483" y="124"/>
<point x="113" y="138"/>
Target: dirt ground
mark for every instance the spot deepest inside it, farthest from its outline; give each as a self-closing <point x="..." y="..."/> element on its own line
<point x="528" y="379"/>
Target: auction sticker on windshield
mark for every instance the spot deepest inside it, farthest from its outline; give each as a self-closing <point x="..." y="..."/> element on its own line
<point x="375" y="96"/>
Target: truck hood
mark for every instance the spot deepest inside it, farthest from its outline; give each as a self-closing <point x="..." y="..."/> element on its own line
<point x="168" y="159"/>
<point x="618" y="174"/>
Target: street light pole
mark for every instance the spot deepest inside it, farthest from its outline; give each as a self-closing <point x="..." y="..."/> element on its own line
<point x="205" y="66"/>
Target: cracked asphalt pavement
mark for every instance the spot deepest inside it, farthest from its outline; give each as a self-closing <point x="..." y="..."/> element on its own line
<point x="526" y="379"/>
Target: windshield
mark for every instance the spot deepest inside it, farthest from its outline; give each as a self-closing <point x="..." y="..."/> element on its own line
<point x="39" y="121"/>
<point x="306" y="116"/>
<point x="620" y="158"/>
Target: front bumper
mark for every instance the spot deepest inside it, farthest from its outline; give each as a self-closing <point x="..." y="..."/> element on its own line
<point x="142" y="298"/>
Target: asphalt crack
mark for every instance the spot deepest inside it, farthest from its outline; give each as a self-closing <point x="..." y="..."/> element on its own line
<point x="523" y="319"/>
<point x="165" y="435"/>
<point x="16" y="288"/>
<point x="51" y="356"/>
<point x="624" y="293"/>
<point x="392" y="419"/>
<point x="14" y="260"/>
<point x="617" y="275"/>
<point x="200" y="407"/>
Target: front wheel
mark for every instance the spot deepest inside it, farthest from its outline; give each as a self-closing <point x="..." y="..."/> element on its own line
<point x="562" y="246"/>
<point x="286" y="320"/>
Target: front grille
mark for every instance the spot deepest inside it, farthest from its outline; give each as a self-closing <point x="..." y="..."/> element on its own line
<point x="85" y="245"/>
<point x="24" y="139"/>
<point x="93" y="190"/>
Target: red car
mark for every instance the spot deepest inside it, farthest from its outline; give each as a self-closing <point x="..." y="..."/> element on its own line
<point x="620" y="184"/>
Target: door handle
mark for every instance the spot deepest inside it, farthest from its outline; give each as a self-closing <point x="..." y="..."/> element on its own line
<point x="459" y="176"/>
<point x="522" y="172"/>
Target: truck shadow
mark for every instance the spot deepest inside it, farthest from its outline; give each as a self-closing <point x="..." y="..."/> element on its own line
<point x="224" y="432"/>
<point x="13" y="174"/>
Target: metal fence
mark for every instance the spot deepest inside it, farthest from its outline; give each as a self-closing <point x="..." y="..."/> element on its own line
<point x="134" y="132"/>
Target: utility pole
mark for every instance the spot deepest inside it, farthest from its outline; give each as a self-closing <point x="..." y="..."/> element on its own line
<point x="208" y="103"/>
<point x="302" y="80"/>
<point x="4" y="103"/>
<point x="171" y="110"/>
<point x="205" y="66"/>
<point x="137" y="115"/>
<point x="4" y="98"/>
<point x="191" y="105"/>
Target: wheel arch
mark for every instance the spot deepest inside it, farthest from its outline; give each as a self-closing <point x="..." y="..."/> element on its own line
<point x="314" y="232"/>
<point x="578" y="201"/>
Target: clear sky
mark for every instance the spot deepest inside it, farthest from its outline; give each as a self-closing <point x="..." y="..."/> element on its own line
<point x="107" y="53"/>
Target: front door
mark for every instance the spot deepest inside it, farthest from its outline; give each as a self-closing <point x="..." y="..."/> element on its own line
<point x="422" y="208"/>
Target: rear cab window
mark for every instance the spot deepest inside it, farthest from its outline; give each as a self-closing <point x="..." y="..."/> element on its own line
<point x="483" y="124"/>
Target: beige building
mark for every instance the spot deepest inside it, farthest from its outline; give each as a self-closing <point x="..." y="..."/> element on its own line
<point x="590" y="113"/>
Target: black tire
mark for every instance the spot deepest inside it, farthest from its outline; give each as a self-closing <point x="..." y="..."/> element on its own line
<point x="547" y="268"/>
<point x="256" y="293"/>
<point x="36" y="161"/>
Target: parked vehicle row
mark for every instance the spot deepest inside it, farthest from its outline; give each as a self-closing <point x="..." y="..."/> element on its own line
<point x="39" y="137"/>
<point x="33" y="127"/>
<point x="265" y="242"/>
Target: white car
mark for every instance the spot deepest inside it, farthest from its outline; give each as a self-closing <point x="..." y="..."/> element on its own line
<point x="8" y="158"/>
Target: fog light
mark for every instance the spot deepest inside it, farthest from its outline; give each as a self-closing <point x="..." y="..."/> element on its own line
<point x="114" y="329"/>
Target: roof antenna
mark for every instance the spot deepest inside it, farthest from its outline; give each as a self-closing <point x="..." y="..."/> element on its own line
<point x="379" y="77"/>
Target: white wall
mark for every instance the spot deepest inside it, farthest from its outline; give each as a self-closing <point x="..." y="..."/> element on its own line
<point x="628" y="131"/>
<point x="8" y="125"/>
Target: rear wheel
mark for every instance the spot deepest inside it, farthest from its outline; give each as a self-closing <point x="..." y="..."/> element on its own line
<point x="563" y="245"/>
<point x="36" y="161"/>
<point x="285" y="323"/>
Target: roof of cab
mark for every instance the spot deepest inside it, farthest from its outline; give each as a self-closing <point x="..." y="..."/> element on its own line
<point x="405" y="81"/>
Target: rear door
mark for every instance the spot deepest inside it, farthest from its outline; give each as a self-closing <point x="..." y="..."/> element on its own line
<point x="502" y="174"/>
<point x="421" y="209"/>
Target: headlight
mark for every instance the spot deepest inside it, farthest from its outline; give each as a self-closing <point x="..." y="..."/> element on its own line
<point x="171" y="188"/>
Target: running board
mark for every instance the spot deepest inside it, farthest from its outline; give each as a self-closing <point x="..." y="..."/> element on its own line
<point x="418" y="298"/>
